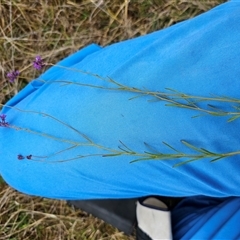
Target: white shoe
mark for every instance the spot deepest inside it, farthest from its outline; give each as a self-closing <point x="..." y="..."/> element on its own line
<point x="154" y="220"/>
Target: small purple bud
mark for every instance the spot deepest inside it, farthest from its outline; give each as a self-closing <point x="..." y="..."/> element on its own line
<point x="3" y="117"/>
<point x="3" y="122"/>
<point x="20" y="157"/>
<point x="38" y="63"/>
<point x="12" y="76"/>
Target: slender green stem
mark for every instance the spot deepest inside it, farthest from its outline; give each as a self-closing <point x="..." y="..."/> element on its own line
<point x="172" y="97"/>
<point x="123" y="149"/>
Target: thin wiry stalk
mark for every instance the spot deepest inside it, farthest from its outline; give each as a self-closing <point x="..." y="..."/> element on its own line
<point x="123" y="149"/>
<point x="172" y="97"/>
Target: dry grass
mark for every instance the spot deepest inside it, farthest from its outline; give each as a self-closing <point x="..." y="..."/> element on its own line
<point x="25" y="217"/>
<point x="54" y="29"/>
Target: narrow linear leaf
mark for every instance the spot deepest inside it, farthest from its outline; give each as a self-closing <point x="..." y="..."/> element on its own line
<point x="154" y="150"/>
<point x="218" y="114"/>
<point x="207" y="151"/>
<point x="185" y="162"/>
<point x="140" y="159"/>
<point x="233" y="118"/>
<point x="172" y="90"/>
<point x="137" y="96"/>
<point x="111" y="155"/>
<point x="124" y="150"/>
<point x="219" y="110"/>
<point x="171" y="147"/>
<point x="191" y="146"/>
<point x="218" y="158"/>
<point x="154" y="154"/>
<point x="125" y="146"/>
<point x="171" y="105"/>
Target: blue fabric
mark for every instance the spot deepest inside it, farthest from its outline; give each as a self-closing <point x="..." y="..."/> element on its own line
<point x="206" y="218"/>
<point x="199" y="56"/>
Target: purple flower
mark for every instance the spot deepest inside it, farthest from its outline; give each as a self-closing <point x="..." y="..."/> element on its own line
<point x="20" y="157"/>
<point x="13" y="75"/>
<point x="38" y="63"/>
<point x="3" y="117"/>
<point x="3" y="122"/>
